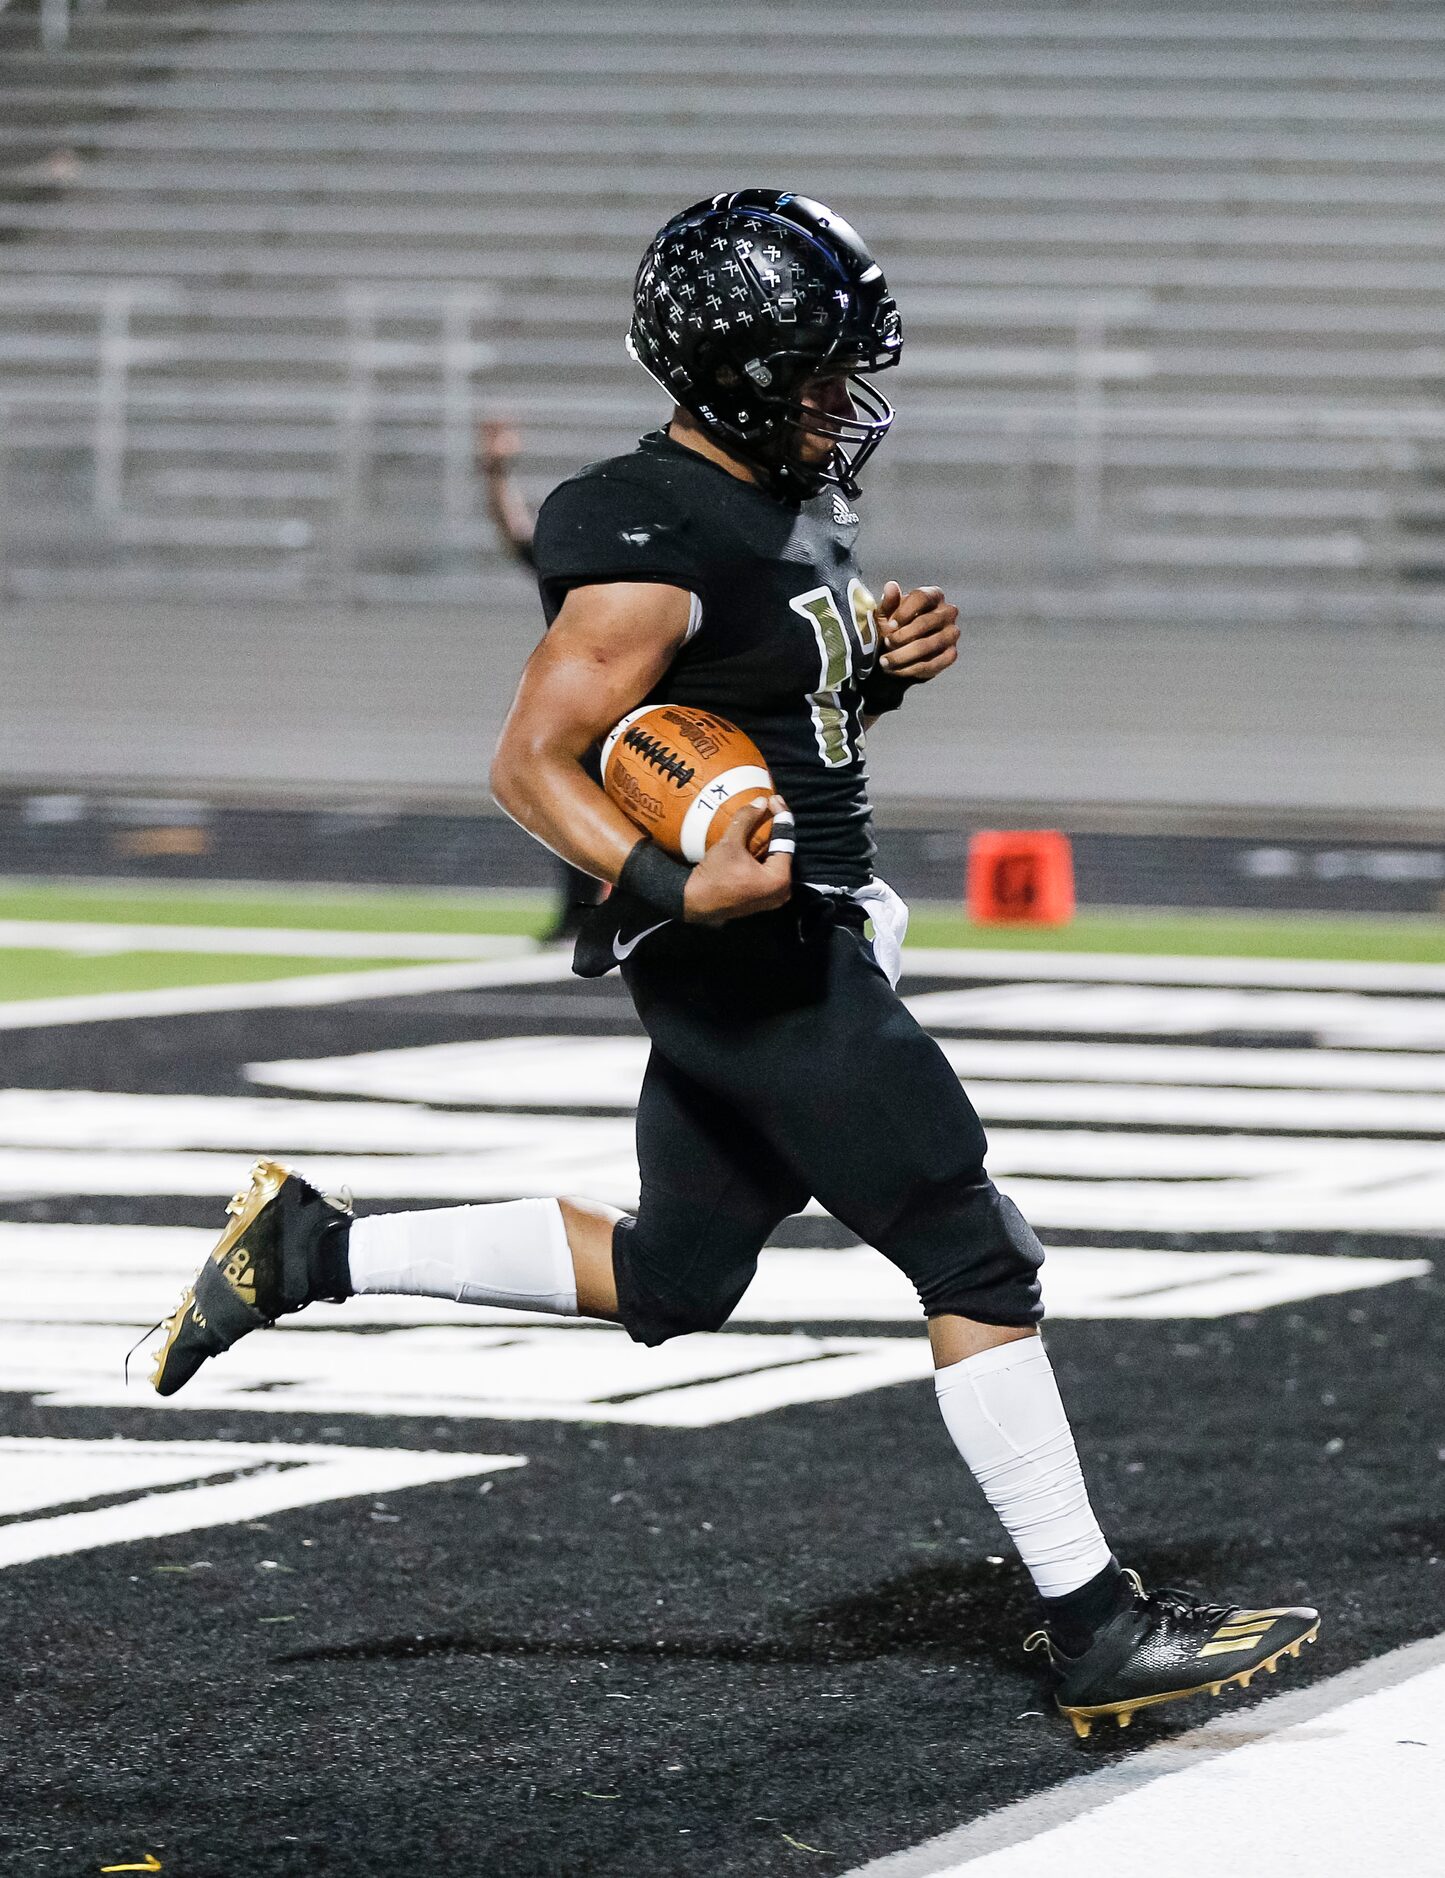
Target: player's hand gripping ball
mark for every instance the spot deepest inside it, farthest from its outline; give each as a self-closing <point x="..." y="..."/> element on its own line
<point x="681" y="775"/>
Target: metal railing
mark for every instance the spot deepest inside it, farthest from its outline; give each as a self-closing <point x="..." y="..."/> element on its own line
<point x="56" y="18"/>
<point x="402" y="391"/>
<point x="453" y="349"/>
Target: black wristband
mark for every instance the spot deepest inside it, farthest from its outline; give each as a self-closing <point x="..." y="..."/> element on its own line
<point x="649" y="874"/>
<point x="883" y="691"/>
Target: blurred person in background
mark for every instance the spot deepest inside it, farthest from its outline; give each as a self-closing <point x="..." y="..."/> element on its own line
<point x="498" y="447"/>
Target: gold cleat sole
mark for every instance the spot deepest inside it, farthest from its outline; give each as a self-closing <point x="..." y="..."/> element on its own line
<point x="267" y="1180"/>
<point x="1124" y="1712"/>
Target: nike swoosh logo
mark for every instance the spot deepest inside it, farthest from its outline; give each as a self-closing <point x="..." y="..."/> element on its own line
<point x="624" y="949"/>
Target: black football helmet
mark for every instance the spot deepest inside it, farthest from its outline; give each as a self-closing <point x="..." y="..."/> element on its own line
<point x="739" y="301"/>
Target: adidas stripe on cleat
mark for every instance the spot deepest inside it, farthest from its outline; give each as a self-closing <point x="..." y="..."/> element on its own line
<point x="285" y="1247"/>
<point x="1166" y="1646"/>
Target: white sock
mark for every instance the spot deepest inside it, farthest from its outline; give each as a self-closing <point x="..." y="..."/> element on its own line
<point x="514" y="1254"/>
<point x="1002" y="1409"/>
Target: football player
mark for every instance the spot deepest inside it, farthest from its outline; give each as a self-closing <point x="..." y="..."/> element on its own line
<point x="714" y="566"/>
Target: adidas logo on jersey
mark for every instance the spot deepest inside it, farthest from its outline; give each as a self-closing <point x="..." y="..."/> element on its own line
<point x="842" y="514"/>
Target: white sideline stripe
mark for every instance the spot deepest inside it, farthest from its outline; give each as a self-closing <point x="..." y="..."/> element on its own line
<point x="293" y="942"/>
<point x="273" y="1477"/>
<point x="1131" y="968"/>
<point x="402" y="981"/>
<point x="1260" y="1789"/>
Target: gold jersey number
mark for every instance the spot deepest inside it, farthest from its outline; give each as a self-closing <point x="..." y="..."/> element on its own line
<point x="841" y="654"/>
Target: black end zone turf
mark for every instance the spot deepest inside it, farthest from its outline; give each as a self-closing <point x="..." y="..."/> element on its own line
<point x="650" y="1651"/>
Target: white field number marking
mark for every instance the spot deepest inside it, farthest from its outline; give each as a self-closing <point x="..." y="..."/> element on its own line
<point x="63" y="1287"/>
<point x="127" y="1275"/>
<point x="1336" y="1019"/>
<point x="1290" y="1090"/>
<point x="582" y="1373"/>
<point x="208" y="1483"/>
<point x="75" y="1296"/>
<point x="1090" y="1179"/>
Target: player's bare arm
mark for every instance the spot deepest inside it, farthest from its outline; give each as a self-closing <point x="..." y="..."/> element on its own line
<point x="604" y="653"/>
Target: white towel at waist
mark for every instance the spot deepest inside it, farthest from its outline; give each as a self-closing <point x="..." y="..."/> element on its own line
<point x="889" y="914"/>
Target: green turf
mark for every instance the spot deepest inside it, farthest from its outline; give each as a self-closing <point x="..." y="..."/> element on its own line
<point x="1414" y="939"/>
<point x="1418" y="940"/>
<point x="317" y="909"/>
<point x="36" y="974"/>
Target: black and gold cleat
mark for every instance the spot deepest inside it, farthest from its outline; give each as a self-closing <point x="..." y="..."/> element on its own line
<point x="285" y="1247"/>
<point x="1167" y="1645"/>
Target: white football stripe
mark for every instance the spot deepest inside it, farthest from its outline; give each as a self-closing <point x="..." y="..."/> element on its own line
<point x="620" y="728"/>
<point x="266" y="1478"/>
<point x="700" y="811"/>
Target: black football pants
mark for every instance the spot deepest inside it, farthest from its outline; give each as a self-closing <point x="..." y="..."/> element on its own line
<point x="784" y="1066"/>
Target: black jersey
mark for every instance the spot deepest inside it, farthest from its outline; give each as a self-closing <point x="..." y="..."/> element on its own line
<point x="782" y="637"/>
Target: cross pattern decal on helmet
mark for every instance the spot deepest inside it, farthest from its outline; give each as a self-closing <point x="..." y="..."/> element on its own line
<point x="806" y="300"/>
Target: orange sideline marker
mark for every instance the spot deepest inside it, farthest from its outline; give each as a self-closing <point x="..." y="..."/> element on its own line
<point x="1020" y="877"/>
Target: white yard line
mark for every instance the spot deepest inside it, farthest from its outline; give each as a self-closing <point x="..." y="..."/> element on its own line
<point x="101" y="937"/>
<point x="1329" y="1781"/>
<point x="402" y="981"/>
<point x="265" y="1478"/>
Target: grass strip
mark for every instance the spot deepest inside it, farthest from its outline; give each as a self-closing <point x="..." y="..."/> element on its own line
<point x="1413" y="939"/>
<point x="28" y="973"/>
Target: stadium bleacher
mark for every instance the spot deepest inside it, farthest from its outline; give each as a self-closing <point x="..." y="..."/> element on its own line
<point x="1170" y="279"/>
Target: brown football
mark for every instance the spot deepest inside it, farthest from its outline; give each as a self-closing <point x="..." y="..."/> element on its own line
<point x="681" y="774"/>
